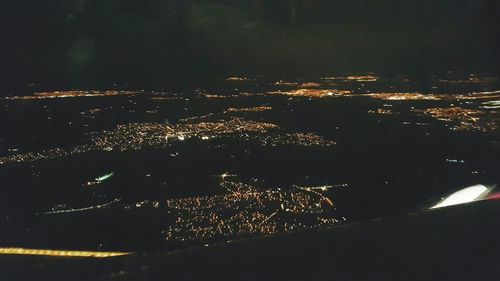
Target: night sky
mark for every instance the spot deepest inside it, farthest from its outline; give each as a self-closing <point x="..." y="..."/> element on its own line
<point x="66" y="44"/>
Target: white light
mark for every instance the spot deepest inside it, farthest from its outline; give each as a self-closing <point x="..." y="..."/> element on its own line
<point x="462" y="196"/>
<point x="105" y="177"/>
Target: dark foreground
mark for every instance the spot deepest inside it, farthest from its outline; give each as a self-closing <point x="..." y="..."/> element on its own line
<point x="456" y="243"/>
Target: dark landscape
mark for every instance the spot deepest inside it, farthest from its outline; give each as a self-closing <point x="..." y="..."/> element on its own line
<point x="249" y="140"/>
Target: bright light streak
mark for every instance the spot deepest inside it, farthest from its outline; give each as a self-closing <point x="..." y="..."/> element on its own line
<point x="466" y="195"/>
<point x="60" y="253"/>
<point x="105" y="177"/>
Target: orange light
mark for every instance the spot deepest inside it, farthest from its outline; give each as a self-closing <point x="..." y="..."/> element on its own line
<point x="60" y="253"/>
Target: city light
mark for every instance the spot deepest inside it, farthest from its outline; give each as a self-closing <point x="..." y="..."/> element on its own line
<point x="314" y="93"/>
<point x="404" y="96"/>
<point x="462" y="119"/>
<point x="246" y="209"/>
<point x="72" y="94"/>
<point x="137" y="136"/>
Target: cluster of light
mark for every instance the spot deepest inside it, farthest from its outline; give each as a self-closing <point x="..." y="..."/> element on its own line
<point x="315" y="93"/>
<point x="301" y="139"/>
<point x="141" y="204"/>
<point x="297" y="84"/>
<point x="455" y="161"/>
<point x="227" y="111"/>
<point x="60" y="253"/>
<point x="323" y="187"/>
<point x="236" y="79"/>
<point x="61" y="209"/>
<point x="285" y="83"/>
<point x="91" y="114"/>
<point x="116" y="203"/>
<point x="46" y="154"/>
<point x="246" y="209"/>
<point x="404" y="96"/>
<point x="196" y="118"/>
<point x="382" y="111"/>
<point x="216" y="96"/>
<point x="362" y="78"/>
<point x="165" y="98"/>
<point x="73" y="94"/>
<point x="309" y="85"/>
<point x="462" y="119"/>
<point x="136" y="136"/>
<point x="249" y="109"/>
<point x="471" y="79"/>
<point x="436" y="97"/>
<point x="242" y="209"/>
<point x="357" y="78"/>
<point x="227" y="96"/>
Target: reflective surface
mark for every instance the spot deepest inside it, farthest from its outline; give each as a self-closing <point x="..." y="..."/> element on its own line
<point x="463" y="196"/>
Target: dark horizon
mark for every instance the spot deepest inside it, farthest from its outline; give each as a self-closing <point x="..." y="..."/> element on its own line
<point x="175" y="44"/>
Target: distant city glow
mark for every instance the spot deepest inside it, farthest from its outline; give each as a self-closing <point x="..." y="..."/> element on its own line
<point x="356" y="78"/>
<point x="462" y="119"/>
<point x="72" y="94"/>
<point x="404" y="96"/>
<point x="136" y="136"/>
<point x="382" y="111"/>
<point x="314" y="93"/>
<point x="362" y="78"/>
<point x="236" y="79"/>
<point x="248" y="109"/>
<point x="466" y="195"/>
<point x="297" y="84"/>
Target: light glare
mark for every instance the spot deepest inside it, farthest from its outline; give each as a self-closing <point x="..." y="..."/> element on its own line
<point x="60" y="253"/>
<point x="466" y="195"/>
